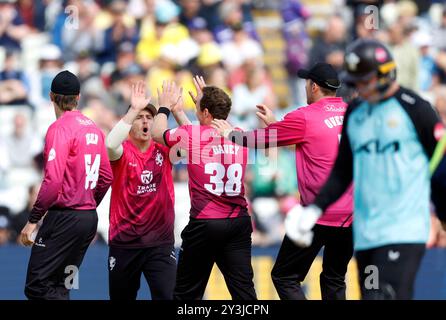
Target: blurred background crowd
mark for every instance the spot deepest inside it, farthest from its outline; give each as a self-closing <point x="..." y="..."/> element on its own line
<point x="251" y="48"/>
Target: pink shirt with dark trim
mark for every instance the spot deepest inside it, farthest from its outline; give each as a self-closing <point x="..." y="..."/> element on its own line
<point x="77" y="171"/>
<point x="315" y="130"/>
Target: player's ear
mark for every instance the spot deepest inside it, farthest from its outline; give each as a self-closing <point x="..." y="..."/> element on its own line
<point x="51" y="97"/>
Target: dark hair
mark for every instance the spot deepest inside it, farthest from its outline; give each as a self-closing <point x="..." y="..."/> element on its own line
<point x="216" y="101"/>
<point x="325" y="91"/>
<point x="65" y="103"/>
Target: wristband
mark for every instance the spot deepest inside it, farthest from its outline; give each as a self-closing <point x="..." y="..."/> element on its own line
<point x="164" y="110"/>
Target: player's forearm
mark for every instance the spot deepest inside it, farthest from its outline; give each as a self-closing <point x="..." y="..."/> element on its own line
<point x="48" y="194"/>
<point x="105" y="179"/>
<point x="115" y="139"/>
<point x="159" y="127"/>
<point x="181" y="118"/>
<point x="249" y="139"/>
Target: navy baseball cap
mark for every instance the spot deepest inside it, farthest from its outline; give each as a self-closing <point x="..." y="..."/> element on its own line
<point x="66" y="83"/>
<point x="149" y="107"/>
<point x="323" y="74"/>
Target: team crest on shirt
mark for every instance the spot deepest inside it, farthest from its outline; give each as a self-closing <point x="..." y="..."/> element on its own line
<point x="159" y="159"/>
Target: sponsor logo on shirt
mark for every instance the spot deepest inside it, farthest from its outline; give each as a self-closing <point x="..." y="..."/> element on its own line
<point x="40" y="243"/>
<point x="392" y="123"/>
<point x="393" y="255"/>
<point x="146" y="176"/>
<point x="52" y="155"/>
<point x="111" y="262"/>
<point x="332" y="108"/>
<point x="146" y="179"/>
<point x="84" y="122"/>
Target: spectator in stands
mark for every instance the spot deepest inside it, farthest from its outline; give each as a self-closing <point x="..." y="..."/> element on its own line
<point x="217" y="77"/>
<point x="440" y="33"/>
<point x="125" y="58"/>
<point x="190" y="10"/>
<point x="240" y="48"/>
<point x="440" y="102"/>
<point x="440" y="75"/>
<point x="406" y="56"/>
<point x="331" y="46"/>
<point x="247" y="96"/>
<point x="210" y="56"/>
<point x="13" y="82"/>
<point x="231" y="15"/>
<point x="121" y="89"/>
<point x="427" y="67"/>
<point x="297" y="41"/>
<point x="362" y="29"/>
<point x="116" y="34"/>
<point x="165" y="30"/>
<point x="200" y="38"/>
<point x="12" y="28"/>
<point x="5" y="163"/>
<point x="82" y="35"/>
<point x="5" y="231"/>
<point x="49" y="65"/>
<point x="33" y="13"/>
<point x="22" y="145"/>
<point x="97" y="110"/>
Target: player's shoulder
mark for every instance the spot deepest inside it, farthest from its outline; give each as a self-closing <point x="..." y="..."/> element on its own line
<point x="409" y="99"/>
<point x="296" y="114"/>
<point x="181" y="129"/>
<point x="353" y="105"/>
<point x="160" y="147"/>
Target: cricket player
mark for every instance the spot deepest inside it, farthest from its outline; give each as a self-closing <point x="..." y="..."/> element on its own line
<point x="141" y="234"/>
<point x="389" y="135"/>
<point x="219" y="229"/>
<point x="314" y="130"/>
<point x="77" y="175"/>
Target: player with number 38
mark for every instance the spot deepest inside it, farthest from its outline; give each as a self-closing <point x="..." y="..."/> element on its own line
<point x="219" y="229"/>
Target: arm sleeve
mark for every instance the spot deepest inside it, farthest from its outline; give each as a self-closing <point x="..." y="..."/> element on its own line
<point x="115" y="139"/>
<point x="57" y="147"/>
<point x="178" y="137"/>
<point x="341" y="175"/>
<point x="289" y="131"/>
<point x="105" y="176"/>
<point x="438" y="185"/>
<point x="424" y="118"/>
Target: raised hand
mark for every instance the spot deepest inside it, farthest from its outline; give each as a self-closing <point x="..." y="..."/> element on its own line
<point x="223" y="127"/>
<point x="170" y="95"/>
<point x="138" y="98"/>
<point x="179" y="106"/>
<point x="265" y="114"/>
<point x="199" y="85"/>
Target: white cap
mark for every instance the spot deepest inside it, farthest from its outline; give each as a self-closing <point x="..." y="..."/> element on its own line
<point x="422" y="39"/>
<point x="50" y="52"/>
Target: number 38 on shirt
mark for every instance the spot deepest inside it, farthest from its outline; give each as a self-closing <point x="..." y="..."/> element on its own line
<point x="218" y="174"/>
